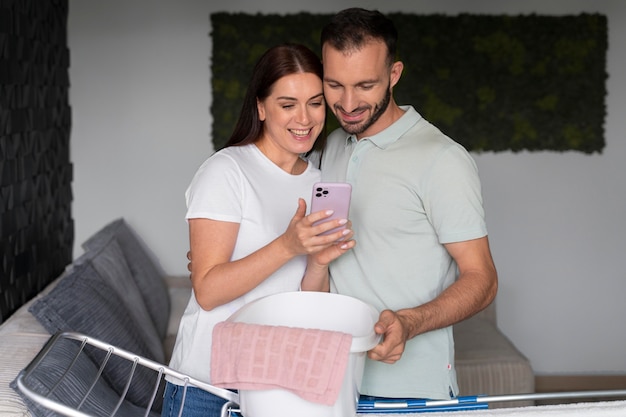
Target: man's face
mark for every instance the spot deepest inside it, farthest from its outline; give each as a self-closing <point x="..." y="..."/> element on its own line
<point x="357" y="87"/>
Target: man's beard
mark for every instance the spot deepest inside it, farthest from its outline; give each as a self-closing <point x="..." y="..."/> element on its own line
<point x="358" y="128"/>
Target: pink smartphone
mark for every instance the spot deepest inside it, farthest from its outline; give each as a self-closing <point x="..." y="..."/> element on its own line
<point x="331" y="196"/>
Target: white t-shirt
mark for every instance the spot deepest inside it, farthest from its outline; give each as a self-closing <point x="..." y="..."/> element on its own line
<point x="240" y="184"/>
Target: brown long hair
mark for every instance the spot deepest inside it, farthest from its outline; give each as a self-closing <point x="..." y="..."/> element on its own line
<point x="275" y="63"/>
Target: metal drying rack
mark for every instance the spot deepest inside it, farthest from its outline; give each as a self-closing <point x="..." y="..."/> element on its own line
<point x="29" y="381"/>
<point x="50" y="394"/>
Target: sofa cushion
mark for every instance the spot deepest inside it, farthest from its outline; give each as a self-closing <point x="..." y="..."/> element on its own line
<point x="110" y="263"/>
<point x="146" y="273"/>
<point x="74" y="385"/>
<point x="84" y="303"/>
<point x="488" y="363"/>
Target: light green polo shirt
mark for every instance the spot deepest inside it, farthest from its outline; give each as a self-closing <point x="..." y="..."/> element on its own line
<point x="413" y="189"/>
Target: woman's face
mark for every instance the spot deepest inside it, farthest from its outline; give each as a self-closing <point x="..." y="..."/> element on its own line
<point x="293" y="113"/>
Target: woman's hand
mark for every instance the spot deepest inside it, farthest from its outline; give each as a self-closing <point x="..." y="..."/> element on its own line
<point x="303" y="238"/>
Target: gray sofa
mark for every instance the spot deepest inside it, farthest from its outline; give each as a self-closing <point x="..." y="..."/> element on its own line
<point x="115" y="292"/>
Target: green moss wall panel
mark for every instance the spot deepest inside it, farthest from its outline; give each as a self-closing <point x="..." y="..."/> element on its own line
<point x="491" y="82"/>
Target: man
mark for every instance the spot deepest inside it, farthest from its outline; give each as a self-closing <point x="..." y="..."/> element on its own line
<point x="422" y="255"/>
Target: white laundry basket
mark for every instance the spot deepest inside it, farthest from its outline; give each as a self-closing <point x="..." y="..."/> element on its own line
<point x="311" y="310"/>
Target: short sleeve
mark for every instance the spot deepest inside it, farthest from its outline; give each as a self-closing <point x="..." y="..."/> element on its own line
<point x="454" y="204"/>
<point x="216" y="190"/>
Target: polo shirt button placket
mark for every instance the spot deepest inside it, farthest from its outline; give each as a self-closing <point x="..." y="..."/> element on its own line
<point x="355" y="162"/>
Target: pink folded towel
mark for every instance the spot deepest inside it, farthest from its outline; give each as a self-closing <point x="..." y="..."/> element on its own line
<point x="308" y="362"/>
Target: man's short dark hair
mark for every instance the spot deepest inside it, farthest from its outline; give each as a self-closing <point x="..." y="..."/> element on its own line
<point x="352" y="28"/>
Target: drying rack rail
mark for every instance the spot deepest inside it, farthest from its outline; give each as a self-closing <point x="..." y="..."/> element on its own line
<point x="62" y="378"/>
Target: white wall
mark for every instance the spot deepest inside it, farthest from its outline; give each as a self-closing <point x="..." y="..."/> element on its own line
<point x="141" y="96"/>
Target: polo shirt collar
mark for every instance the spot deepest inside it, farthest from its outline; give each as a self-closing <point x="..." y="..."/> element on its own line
<point x="391" y="134"/>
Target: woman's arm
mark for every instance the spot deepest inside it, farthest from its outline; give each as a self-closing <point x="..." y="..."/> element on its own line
<point x="316" y="277"/>
<point x="217" y="280"/>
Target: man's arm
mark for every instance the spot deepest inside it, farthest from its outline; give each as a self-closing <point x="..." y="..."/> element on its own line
<point x="474" y="289"/>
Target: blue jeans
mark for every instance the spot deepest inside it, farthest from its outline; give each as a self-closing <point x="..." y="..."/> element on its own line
<point x="198" y="403"/>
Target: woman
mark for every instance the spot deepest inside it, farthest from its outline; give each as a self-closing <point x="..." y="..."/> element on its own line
<point x="245" y="239"/>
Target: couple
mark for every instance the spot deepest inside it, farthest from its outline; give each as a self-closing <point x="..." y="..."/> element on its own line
<point x="422" y="258"/>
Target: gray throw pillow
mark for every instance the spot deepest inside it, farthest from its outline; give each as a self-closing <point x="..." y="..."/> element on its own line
<point x="82" y="379"/>
<point x="110" y="263"/>
<point x="147" y="275"/>
<point x="84" y="303"/>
